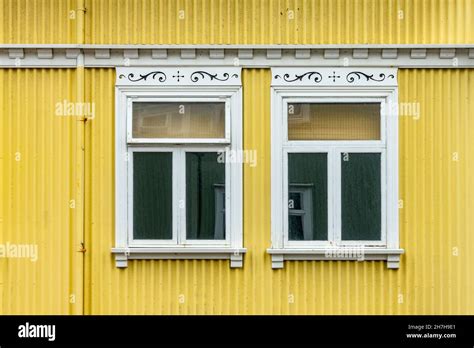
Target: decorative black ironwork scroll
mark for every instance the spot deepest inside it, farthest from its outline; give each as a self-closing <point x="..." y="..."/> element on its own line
<point x="201" y="75"/>
<point x="309" y="75"/>
<point x="351" y="77"/>
<point x="159" y="75"/>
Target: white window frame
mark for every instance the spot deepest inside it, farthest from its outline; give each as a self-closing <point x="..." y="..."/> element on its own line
<point x="325" y="91"/>
<point x="179" y="247"/>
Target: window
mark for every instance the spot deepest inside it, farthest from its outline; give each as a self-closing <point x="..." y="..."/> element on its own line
<point x="334" y="165"/>
<point x="177" y="195"/>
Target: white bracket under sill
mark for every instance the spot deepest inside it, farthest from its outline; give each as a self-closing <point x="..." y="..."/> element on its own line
<point x="122" y="255"/>
<point x="392" y="256"/>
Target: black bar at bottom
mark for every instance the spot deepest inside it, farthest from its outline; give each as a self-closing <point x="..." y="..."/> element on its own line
<point x="138" y="330"/>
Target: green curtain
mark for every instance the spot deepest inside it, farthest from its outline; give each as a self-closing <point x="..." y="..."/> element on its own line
<point x="152" y="195"/>
<point x="361" y="196"/>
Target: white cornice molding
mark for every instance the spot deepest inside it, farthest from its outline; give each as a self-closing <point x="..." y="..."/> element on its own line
<point x="236" y="46"/>
<point x="247" y="56"/>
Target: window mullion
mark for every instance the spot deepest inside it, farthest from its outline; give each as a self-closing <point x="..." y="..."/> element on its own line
<point x="334" y="156"/>
<point x="180" y="178"/>
<point x="285" y="198"/>
<point x="129" y="161"/>
<point x="384" y="193"/>
<point x="227" y="196"/>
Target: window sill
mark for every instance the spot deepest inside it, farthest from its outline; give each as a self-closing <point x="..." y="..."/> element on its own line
<point x="392" y="256"/>
<point x="235" y="255"/>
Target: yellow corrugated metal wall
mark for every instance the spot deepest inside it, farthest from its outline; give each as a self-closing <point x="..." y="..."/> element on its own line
<point x="30" y="21"/>
<point x="281" y="21"/>
<point x="437" y="190"/>
<point x="40" y="192"/>
<point x="239" y="21"/>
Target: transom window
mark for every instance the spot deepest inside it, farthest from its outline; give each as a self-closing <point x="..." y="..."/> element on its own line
<point x="186" y="120"/>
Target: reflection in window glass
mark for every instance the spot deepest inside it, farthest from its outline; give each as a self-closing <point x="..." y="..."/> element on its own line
<point x="307" y="196"/>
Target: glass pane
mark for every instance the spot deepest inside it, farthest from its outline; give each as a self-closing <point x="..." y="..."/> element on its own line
<point x="205" y="195"/>
<point x="307" y="196"/>
<point x="178" y="120"/>
<point x="361" y="196"/>
<point x="354" y="121"/>
<point x="152" y="195"/>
